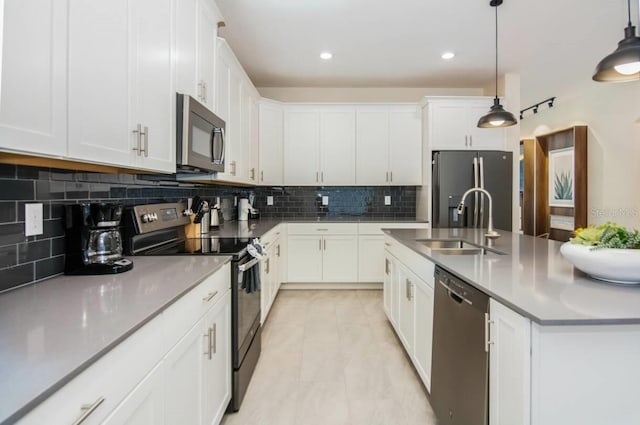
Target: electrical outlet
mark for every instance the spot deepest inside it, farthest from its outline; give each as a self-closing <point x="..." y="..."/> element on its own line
<point x="387" y="200"/>
<point x="325" y="200"/>
<point x="269" y="200"/>
<point x="33" y="219"/>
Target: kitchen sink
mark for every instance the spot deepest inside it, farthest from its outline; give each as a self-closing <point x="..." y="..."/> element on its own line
<point x="456" y="247"/>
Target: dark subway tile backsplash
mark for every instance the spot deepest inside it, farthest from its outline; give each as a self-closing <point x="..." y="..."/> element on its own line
<point x="28" y="259"/>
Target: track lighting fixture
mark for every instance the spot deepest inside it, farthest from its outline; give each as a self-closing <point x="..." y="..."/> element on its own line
<point x="497" y="116"/>
<point x="548" y="102"/>
<point x="624" y="63"/>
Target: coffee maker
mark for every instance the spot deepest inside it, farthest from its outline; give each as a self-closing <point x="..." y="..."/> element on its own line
<point x="93" y="240"/>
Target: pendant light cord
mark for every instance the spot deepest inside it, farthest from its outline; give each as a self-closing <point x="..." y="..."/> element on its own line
<point x="497" y="50"/>
<point x="629" y="10"/>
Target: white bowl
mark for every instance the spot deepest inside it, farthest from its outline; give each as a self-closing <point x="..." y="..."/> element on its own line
<point x="612" y="265"/>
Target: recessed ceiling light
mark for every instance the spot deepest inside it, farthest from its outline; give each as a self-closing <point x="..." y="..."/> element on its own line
<point x="448" y="55"/>
<point x="326" y="55"/>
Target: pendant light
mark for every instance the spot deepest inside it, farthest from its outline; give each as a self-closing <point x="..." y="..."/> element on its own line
<point x="497" y="116"/>
<point x="624" y="63"/>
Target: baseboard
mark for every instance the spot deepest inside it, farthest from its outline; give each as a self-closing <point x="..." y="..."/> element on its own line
<point x="332" y="285"/>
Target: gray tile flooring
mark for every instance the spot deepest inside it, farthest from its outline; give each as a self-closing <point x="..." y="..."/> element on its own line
<point x="331" y="358"/>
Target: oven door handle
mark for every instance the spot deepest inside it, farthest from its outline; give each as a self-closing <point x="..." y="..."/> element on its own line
<point x="246" y="266"/>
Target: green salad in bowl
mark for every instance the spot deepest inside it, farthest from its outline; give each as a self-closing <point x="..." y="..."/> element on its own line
<point x="607" y="252"/>
<point x="608" y="235"/>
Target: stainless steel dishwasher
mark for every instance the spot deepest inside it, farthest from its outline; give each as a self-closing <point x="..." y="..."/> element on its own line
<point x="460" y="362"/>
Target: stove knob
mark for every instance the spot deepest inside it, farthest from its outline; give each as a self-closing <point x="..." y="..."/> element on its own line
<point x="146" y="218"/>
<point x="155" y="216"/>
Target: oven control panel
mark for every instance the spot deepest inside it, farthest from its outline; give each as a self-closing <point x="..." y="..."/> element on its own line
<point x="152" y="217"/>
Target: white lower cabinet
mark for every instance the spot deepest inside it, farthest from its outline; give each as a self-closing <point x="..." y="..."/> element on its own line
<point x="408" y="303"/>
<point x="406" y="307"/>
<point x="216" y="389"/>
<point x="144" y="405"/>
<point x="325" y="252"/>
<point x="509" y="366"/>
<point x="371" y="258"/>
<point x="144" y="382"/>
<point x="423" y="328"/>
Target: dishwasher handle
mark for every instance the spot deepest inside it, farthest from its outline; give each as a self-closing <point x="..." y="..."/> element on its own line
<point x="457" y="297"/>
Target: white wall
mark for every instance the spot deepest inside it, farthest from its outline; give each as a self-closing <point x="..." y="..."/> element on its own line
<point x="361" y="94"/>
<point x="612" y="114"/>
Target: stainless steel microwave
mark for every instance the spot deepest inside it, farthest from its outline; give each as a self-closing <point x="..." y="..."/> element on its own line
<point x="200" y="137"/>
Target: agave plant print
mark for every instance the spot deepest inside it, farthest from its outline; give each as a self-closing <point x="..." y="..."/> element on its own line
<point x="561" y="184"/>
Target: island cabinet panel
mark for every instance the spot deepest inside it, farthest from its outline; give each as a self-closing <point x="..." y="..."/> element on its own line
<point x="585" y="375"/>
<point x="408" y="294"/>
<point x="509" y="366"/>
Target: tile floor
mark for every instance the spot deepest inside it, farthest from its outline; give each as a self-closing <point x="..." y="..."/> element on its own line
<point x="331" y="358"/>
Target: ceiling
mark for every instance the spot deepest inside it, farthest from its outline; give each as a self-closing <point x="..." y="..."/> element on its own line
<point x="553" y="45"/>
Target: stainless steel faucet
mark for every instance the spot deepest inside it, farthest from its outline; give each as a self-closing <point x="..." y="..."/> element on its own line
<point x="491" y="233"/>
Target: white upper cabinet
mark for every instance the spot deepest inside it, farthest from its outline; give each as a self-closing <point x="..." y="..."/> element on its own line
<point x="337" y="146"/>
<point x="121" y="91"/>
<point x="405" y="147"/>
<point x="452" y="124"/>
<point x="389" y="145"/>
<point x="301" y="146"/>
<point x="33" y="103"/>
<point x="319" y="145"/>
<point x="372" y="145"/>
<point x="196" y="34"/>
<point x="271" y="138"/>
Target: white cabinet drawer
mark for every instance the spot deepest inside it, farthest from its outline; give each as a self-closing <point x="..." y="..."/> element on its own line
<point x="376" y="228"/>
<point x="323" y="228"/>
<point x="185" y="312"/>
<point x="111" y="378"/>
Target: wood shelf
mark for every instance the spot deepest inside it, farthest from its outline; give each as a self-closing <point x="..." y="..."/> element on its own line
<point x="536" y="210"/>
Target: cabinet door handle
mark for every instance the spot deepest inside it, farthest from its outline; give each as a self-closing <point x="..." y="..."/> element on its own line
<point x="145" y="134"/>
<point x="391" y="176"/>
<point x="215" y="338"/>
<point x="466" y="140"/>
<point x="386" y="266"/>
<point x="87" y="410"/>
<point x="253" y="174"/>
<point x="138" y="133"/>
<point x="266" y="266"/>
<point x="386" y="177"/>
<point x="278" y="250"/>
<point x="200" y="89"/>
<point x="261" y="176"/>
<point x="325" y="244"/>
<point x="322" y="177"/>
<point x="487" y="332"/>
<point x="209" y="337"/>
<point x="233" y="168"/>
<point x="317" y="177"/>
<point x="204" y="91"/>
<point x="210" y="296"/>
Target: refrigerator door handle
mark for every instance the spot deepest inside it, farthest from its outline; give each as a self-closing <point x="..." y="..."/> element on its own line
<point x="476" y="182"/>
<point x="481" y="217"/>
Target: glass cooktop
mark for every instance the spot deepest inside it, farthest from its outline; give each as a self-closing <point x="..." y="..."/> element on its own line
<point x="203" y="246"/>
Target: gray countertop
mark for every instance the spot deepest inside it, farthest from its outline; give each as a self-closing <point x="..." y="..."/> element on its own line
<point x="533" y="278"/>
<point x="115" y="305"/>
<point x="257" y="228"/>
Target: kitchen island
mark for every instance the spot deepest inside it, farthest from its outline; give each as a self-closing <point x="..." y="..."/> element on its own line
<point x="563" y="347"/>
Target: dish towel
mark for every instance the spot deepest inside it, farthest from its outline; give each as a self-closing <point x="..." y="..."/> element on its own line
<point x="251" y="277"/>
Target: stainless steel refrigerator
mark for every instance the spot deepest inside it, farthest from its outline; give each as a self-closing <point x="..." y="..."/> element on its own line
<point x="456" y="171"/>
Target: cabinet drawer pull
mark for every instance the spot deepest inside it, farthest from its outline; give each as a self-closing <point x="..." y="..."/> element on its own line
<point x="322" y="230"/>
<point x="210" y="296"/>
<point x="215" y="339"/>
<point x="88" y="409"/>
